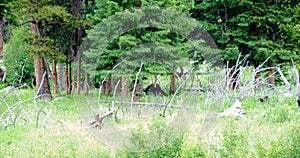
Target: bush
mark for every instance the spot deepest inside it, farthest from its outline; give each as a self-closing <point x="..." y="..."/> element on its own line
<point x="287" y="145"/>
<point x="157" y="141"/>
<point x="17" y="58"/>
<point x="235" y="143"/>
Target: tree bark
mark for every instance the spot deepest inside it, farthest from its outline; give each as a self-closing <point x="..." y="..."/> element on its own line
<point x="54" y="73"/>
<point x="107" y="87"/>
<point x="61" y="76"/>
<point x="103" y="86"/>
<point x="42" y="80"/>
<point x="1" y="33"/>
<point x="37" y="71"/>
<point x="86" y="87"/>
<point x="271" y="71"/>
<point x="137" y="91"/>
<point x="74" y="77"/>
<point x="235" y="79"/>
<point x="257" y="77"/>
<point x="119" y="88"/>
<point x="124" y="87"/>
<point x="78" y="73"/>
<point x="67" y="78"/>
<point x="112" y="84"/>
<point x="76" y="11"/>
<point x="173" y="84"/>
<point x="43" y="88"/>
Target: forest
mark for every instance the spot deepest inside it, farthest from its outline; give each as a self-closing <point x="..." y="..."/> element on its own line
<point x="149" y="78"/>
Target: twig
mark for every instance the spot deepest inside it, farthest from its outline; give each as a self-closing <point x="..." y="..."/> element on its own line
<point x="135" y="82"/>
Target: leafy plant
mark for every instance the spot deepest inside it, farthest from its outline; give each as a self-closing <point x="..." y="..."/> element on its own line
<point x="156" y="141"/>
<point x="17" y="58"/>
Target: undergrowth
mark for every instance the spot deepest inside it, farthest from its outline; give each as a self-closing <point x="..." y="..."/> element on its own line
<point x="271" y="129"/>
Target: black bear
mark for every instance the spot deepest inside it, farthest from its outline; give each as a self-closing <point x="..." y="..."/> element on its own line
<point x="2" y="75"/>
<point x="156" y="89"/>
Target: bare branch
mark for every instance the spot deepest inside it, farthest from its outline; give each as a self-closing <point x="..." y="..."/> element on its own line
<point x="296" y="79"/>
<point x="287" y="84"/>
<point x="135" y="83"/>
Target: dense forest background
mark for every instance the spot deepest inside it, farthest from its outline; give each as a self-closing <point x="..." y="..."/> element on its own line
<point x="43" y="37"/>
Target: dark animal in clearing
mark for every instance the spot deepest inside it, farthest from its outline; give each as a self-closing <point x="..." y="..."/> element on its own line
<point x="156" y="89"/>
<point x="2" y="75"/>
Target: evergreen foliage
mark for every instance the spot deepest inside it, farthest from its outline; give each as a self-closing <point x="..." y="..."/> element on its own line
<point x="154" y="36"/>
<point x="260" y="28"/>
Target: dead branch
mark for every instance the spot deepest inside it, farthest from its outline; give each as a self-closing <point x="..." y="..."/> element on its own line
<point x="52" y="77"/>
<point x="287" y="84"/>
<point x="98" y="122"/>
<point x="297" y="83"/>
<point x="143" y="103"/>
<point x="163" y="113"/>
<point x="135" y="83"/>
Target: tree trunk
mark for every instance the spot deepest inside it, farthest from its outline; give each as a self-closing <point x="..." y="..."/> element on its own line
<point x="112" y="84"/>
<point x="137" y="91"/>
<point x="74" y="77"/>
<point x="67" y="78"/>
<point x="103" y="86"/>
<point x="119" y="88"/>
<point x="54" y="73"/>
<point x="70" y="77"/>
<point x="61" y="76"/>
<point x="86" y="87"/>
<point x="76" y="11"/>
<point x="235" y="80"/>
<point x="107" y="87"/>
<point x="124" y="87"/>
<point x="43" y="88"/>
<point x="1" y="33"/>
<point x="257" y="77"/>
<point x="37" y="71"/>
<point x="42" y="81"/>
<point x="271" y="78"/>
<point x="78" y="74"/>
<point x="173" y="84"/>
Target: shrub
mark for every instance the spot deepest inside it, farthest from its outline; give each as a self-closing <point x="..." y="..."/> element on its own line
<point x="156" y="141"/>
<point x="234" y="143"/>
<point x="17" y="58"/>
<point x="287" y="145"/>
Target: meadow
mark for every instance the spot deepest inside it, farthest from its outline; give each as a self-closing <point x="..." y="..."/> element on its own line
<point x="269" y="129"/>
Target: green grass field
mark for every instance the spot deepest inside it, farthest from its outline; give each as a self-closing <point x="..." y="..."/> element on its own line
<point x="271" y="129"/>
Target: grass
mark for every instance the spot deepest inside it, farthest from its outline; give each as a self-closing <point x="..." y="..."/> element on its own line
<point x="271" y="129"/>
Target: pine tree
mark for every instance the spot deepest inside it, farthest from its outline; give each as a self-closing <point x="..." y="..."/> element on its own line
<point x="41" y="14"/>
<point x="160" y="46"/>
<point x="261" y="29"/>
